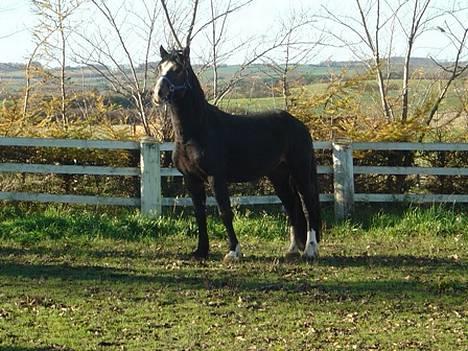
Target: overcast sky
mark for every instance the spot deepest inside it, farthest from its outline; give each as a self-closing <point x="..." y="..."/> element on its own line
<point x="259" y="19"/>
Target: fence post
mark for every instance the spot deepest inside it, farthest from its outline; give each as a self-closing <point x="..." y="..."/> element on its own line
<point x="150" y="181"/>
<point x="343" y="179"/>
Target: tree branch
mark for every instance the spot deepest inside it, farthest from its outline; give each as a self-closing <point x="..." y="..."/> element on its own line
<point x="170" y="24"/>
<point x="192" y="24"/>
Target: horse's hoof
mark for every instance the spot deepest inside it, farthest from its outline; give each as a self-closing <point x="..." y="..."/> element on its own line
<point x="311" y="253"/>
<point x="293" y="250"/>
<point x="233" y="256"/>
<point x="295" y="246"/>
<point x="292" y="255"/>
<point x="311" y="249"/>
<point x="309" y="258"/>
<point x="230" y="258"/>
<point x="200" y="255"/>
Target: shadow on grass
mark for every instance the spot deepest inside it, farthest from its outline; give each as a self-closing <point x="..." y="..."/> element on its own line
<point x="396" y="261"/>
<point x="163" y="255"/>
<point x="192" y="276"/>
<point x="391" y="261"/>
<point x="25" y="348"/>
<point x="84" y="252"/>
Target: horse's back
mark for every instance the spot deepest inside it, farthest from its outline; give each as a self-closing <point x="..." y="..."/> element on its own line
<point x="276" y="129"/>
<point x="254" y="145"/>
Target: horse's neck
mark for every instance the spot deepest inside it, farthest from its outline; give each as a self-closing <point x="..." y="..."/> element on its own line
<point x="188" y="119"/>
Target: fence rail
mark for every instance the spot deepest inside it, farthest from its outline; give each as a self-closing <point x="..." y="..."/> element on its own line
<point x="150" y="173"/>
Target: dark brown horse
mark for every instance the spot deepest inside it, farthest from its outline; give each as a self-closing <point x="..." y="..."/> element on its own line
<point x="218" y="148"/>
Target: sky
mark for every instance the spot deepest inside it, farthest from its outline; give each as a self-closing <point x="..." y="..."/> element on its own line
<point x="261" y="20"/>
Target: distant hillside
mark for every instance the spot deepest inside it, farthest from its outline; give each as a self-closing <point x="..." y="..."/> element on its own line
<point x="418" y="62"/>
<point x="11" y="67"/>
<point x="83" y="78"/>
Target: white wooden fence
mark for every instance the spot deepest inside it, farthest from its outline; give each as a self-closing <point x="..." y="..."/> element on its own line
<point x="150" y="173"/>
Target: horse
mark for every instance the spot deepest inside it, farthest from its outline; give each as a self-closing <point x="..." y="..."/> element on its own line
<point x="217" y="148"/>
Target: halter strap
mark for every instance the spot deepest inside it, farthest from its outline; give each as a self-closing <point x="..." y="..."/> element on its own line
<point x="173" y="88"/>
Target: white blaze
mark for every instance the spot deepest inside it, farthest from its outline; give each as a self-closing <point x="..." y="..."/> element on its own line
<point x="164" y="69"/>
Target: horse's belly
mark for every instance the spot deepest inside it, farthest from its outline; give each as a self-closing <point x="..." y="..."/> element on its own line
<point x="251" y="172"/>
<point x="243" y="178"/>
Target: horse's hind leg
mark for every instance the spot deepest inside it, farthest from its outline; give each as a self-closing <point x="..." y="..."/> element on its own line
<point x="221" y="193"/>
<point x="300" y="224"/>
<point x="290" y="201"/>
<point x="308" y="194"/>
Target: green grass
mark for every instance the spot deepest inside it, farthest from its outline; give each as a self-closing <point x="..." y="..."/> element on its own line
<point x="252" y="104"/>
<point x="368" y="99"/>
<point x="388" y="280"/>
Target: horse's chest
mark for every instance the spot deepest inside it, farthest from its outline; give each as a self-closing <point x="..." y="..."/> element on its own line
<point x="188" y="158"/>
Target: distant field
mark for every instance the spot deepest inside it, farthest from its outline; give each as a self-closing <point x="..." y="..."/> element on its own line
<point x="12" y="82"/>
<point x="263" y="71"/>
<point x="419" y="89"/>
<point x="252" y="104"/>
<point x="86" y="78"/>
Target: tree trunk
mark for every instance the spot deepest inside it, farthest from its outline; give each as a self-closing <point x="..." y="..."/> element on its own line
<point x="383" y="95"/>
<point x="404" y="106"/>
<point x="63" y="91"/>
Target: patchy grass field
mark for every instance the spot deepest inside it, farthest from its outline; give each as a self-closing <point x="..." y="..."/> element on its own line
<point x="72" y="280"/>
<point x="420" y="89"/>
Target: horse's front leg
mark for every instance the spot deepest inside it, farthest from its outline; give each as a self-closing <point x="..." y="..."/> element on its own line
<point x="221" y="192"/>
<point x="196" y="188"/>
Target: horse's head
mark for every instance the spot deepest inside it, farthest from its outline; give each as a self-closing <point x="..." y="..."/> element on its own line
<point x="173" y="76"/>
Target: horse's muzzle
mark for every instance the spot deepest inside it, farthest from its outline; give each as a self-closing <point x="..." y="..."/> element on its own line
<point x="161" y="92"/>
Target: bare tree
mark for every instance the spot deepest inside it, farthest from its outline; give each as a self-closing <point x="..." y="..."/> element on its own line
<point x="39" y="42"/>
<point x="374" y="44"/>
<point x="217" y="35"/>
<point x="298" y="48"/>
<point x="458" y="66"/>
<point x="215" y="39"/>
<point x="108" y="51"/>
<point x="361" y="29"/>
<point x="419" y="10"/>
<point x="375" y="28"/>
<point x="261" y="49"/>
<point x="171" y="24"/>
<point x="52" y="32"/>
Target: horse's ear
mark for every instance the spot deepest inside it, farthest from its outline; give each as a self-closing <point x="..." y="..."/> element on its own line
<point x="186" y="52"/>
<point x="164" y="54"/>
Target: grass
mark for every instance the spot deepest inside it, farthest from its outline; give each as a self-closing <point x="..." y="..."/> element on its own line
<point x="75" y="280"/>
<point x="368" y="99"/>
